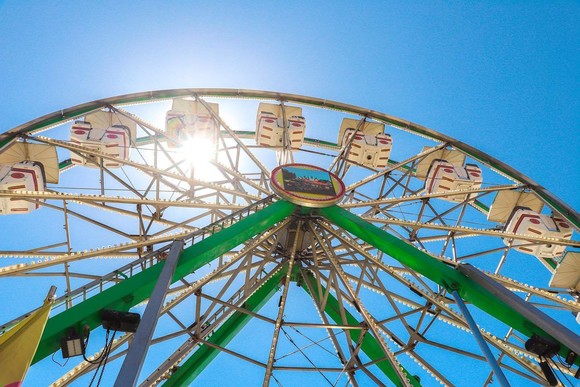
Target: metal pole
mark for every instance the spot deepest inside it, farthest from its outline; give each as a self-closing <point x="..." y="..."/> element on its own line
<point x="50" y="295"/>
<point x="558" y="331"/>
<point x="138" y="348"/>
<point x="281" y="307"/>
<point x="479" y="338"/>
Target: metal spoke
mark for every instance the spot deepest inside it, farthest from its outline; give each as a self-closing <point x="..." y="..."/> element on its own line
<point x="378" y="311"/>
<point x="281" y="307"/>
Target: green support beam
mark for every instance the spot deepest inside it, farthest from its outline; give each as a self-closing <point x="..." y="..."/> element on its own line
<point x="436" y="271"/>
<point x="138" y="288"/>
<point x="369" y="345"/>
<point x="197" y="362"/>
<point x="64" y="164"/>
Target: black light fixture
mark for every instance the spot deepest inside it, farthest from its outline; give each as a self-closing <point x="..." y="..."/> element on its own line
<point x="545" y="348"/>
<point x="72" y="344"/>
<point x="542" y="346"/>
<point x="115" y="320"/>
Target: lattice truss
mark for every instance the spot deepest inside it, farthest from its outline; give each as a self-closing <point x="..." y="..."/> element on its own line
<point x="121" y="179"/>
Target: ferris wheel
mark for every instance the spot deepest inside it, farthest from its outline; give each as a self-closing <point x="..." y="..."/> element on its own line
<point x="263" y="237"/>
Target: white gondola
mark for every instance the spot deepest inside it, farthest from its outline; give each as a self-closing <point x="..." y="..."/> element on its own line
<point x="22" y="176"/>
<point x="103" y="132"/>
<point x="271" y="129"/>
<point x="505" y="202"/>
<point x="188" y="120"/>
<point x="528" y="222"/>
<point x="444" y="176"/>
<point x="366" y="143"/>
<point x="567" y="273"/>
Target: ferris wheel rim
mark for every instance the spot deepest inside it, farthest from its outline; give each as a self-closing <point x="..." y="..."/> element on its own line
<point x="60" y="116"/>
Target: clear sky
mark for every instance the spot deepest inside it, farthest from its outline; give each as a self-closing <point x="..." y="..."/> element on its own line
<point x="502" y="76"/>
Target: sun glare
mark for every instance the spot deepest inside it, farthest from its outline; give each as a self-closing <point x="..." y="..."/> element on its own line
<point x="198" y="151"/>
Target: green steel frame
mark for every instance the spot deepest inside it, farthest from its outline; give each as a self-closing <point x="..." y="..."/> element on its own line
<point x="436" y="271"/>
<point x="369" y="343"/>
<point x="138" y="288"/>
<point x="197" y="362"/>
<point x="134" y="290"/>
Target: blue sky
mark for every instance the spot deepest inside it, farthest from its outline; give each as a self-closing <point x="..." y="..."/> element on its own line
<point x="502" y="76"/>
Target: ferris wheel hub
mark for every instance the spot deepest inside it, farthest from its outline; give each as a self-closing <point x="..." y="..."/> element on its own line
<point x="307" y="185"/>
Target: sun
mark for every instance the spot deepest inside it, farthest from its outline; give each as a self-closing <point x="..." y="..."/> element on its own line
<point x="198" y="151"/>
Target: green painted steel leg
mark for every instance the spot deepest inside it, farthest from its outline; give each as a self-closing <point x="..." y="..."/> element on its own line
<point x="225" y="333"/>
<point x="437" y="271"/>
<point x="369" y="346"/>
<point x="138" y="288"/>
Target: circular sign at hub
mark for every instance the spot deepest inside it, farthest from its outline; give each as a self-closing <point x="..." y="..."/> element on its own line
<point x="307" y="185"/>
